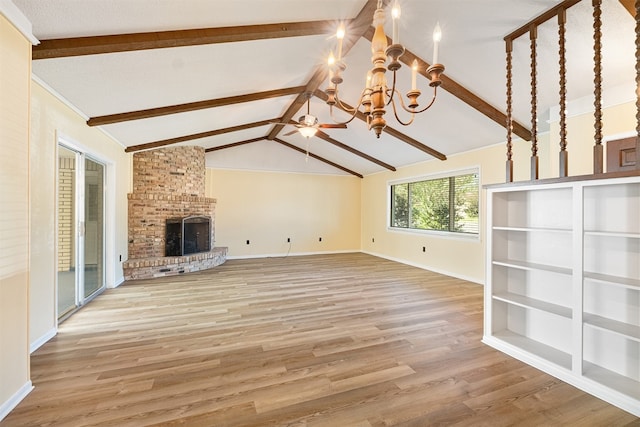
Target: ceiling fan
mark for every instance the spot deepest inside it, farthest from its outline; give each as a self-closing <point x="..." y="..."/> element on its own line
<point x="308" y="125"/>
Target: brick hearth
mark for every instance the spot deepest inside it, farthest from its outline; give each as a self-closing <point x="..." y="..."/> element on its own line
<point x="167" y="183"/>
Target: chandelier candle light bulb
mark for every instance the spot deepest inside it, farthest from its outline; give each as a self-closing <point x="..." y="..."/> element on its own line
<point x="414" y="74"/>
<point x="340" y="36"/>
<point x="395" y="15"/>
<point x="437" y="36"/>
<point x="331" y="61"/>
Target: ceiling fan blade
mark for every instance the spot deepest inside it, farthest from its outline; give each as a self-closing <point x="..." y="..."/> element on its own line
<point x="332" y="125"/>
<point x="276" y="122"/>
<point x="290" y="133"/>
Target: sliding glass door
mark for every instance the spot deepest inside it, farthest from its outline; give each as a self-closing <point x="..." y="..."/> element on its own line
<point x="80" y="229"/>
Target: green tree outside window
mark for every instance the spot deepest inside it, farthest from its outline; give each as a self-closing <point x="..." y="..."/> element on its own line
<point x="442" y="204"/>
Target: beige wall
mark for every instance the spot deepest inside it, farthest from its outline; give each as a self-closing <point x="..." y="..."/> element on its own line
<point x="457" y="256"/>
<point x="464" y="258"/>
<point x="15" y="70"/>
<point x="617" y="120"/>
<point x="51" y="119"/>
<point x="266" y="208"/>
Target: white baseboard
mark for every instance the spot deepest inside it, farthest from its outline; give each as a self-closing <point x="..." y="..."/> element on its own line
<point x="426" y="267"/>
<point x="43" y="339"/>
<point x="284" y="255"/>
<point x="14" y="400"/>
<point x="118" y="282"/>
<point x="401" y="261"/>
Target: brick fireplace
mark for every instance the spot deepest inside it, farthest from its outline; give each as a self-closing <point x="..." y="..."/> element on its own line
<point x="168" y="183"/>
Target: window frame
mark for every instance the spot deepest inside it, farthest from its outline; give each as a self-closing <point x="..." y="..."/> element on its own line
<point x="436" y="233"/>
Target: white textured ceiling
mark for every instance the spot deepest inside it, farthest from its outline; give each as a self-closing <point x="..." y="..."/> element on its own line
<point x="472" y="50"/>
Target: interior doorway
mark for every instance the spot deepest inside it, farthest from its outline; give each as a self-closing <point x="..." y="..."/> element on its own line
<point x="81" y="224"/>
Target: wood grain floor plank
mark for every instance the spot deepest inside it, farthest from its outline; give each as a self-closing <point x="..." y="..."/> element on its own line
<point x="324" y="340"/>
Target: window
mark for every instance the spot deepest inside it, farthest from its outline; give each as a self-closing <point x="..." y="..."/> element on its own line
<point x="447" y="204"/>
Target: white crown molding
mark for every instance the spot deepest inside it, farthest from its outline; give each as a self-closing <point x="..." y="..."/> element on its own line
<point x="56" y="94"/>
<point x="68" y="103"/>
<point x="18" y="20"/>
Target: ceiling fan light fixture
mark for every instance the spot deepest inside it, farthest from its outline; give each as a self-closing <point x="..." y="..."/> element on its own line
<point x="308" y="132"/>
<point x="308" y="120"/>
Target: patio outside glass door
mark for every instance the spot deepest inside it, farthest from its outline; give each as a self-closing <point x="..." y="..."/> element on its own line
<point x="80" y="229"/>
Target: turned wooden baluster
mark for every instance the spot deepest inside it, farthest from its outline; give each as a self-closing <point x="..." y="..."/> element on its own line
<point x="638" y="84"/>
<point x="564" y="155"/>
<point x="509" y="165"/>
<point x="533" y="34"/>
<point x="597" y="80"/>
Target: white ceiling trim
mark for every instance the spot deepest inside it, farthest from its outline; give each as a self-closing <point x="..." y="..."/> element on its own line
<point x="73" y="108"/>
<point x="14" y="15"/>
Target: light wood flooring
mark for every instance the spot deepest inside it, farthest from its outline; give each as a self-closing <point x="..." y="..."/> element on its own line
<point x="330" y="340"/>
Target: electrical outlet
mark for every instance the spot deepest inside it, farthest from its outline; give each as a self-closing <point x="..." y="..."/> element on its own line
<point x="288" y="239"/>
<point x="424" y="249"/>
<point x="247" y="242"/>
<point x="319" y="239"/>
<point x="120" y="258"/>
<point x="373" y="240"/>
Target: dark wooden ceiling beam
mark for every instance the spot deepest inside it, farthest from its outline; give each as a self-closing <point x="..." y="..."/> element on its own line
<point x="286" y="144"/>
<point x="170" y="141"/>
<point x="191" y="106"/>
<point x="318" y="77"/>
<point x="323" y="136"/>
<point x="462" y="93"/>
<point x="235" y="144"/>
<point x="315" y="156"/>
<point x="414" y="143"/>
<point x="77" y="46"/>
<point x="391" y="131"/>
<point x="630" y="5"/>
<point x="357" y="27"/>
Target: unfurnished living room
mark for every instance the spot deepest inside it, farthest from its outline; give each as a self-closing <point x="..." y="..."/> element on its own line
<point x="319" y="213"/>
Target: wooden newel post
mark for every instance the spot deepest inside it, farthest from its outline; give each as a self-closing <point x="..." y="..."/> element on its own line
<point x="509" y="164"/>
<point x="598" y="157"/>
<point x="564" y="154"/>
<point x="533" y="35"/>
<point x="637" y="84"/>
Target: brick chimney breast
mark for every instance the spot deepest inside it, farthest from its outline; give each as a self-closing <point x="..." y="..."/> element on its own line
<point x="167" y="183"/>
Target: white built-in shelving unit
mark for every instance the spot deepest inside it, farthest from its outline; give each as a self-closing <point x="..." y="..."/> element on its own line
<point x="563" y="281"/>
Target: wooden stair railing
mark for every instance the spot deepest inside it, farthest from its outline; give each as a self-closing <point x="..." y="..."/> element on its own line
<point x="531" y="27"/>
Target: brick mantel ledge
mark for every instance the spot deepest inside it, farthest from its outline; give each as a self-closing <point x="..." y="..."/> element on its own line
<point x="147" y="268"/>
<point x="170" y="197"/>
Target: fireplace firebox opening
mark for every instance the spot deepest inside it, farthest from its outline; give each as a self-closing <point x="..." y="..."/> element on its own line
<point x="187" y="235"/>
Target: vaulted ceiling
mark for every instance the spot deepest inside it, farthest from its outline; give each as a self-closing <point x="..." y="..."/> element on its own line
<point x="219" y="74"/>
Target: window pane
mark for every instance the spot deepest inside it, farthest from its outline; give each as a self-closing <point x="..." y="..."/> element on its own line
<point x="430" y="204"/>
<point x="443" y="204"/>
<point x="466" y="203"/>
<point x="400" y="205"/>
